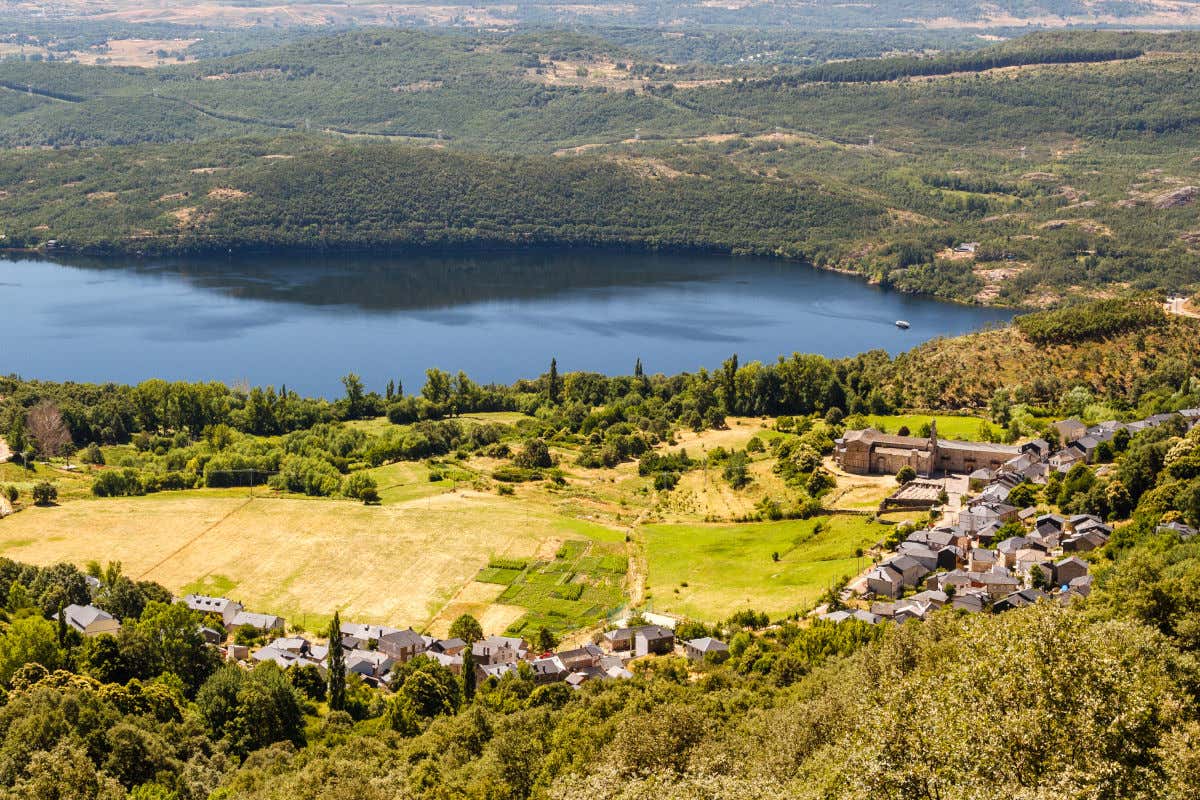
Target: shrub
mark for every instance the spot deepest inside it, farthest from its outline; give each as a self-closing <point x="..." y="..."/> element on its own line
<point x="666" y="481"/>
<point x="92" y="455"/>
<point x="360" y="486"/>
<point x="511" y="474"/>
<point x="534" y="454"/>
<point x="118" y="483"/>
<point x="44" y="493"/>
<point x="310" y="476"/>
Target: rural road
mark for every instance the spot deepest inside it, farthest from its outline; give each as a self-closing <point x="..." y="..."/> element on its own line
<point x="1181" y="307"/>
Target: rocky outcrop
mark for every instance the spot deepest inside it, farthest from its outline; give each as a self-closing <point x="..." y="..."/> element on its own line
<point x="1176" y="197"/>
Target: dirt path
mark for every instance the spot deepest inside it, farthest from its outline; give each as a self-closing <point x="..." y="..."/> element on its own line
<point x="1181" y="306"/>
<point x="194" y="539"/>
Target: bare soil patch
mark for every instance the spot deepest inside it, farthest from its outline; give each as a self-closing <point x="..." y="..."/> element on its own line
<point x="227" y="193"/>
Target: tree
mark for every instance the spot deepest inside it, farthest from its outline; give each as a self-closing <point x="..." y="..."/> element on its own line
<point x="437" y="386"/>
<point x="308" y="680"/>
<point x="546" y="641"/>
<point x="354" y="396"/>
<point x="467" y="628"/>
<point x="1120" y="504"/>
<point x="535" y="455"/>
<point x="100" y="657"/>
<point x="44" y="493"/>
<point x="337" y="665"/>
<point x="424" y="689"/>
<point x="729" y="370"/>
<point x="31" y="640"/>
<point x="468" y="674"/>
<point x="906" y="475"/>
<point x="167" y="639"/>
<point x="251" y="710"/>
<point x="18" y="440"/>
<point x="737" y="470"/>
<point x="553" y="384"/>
<point x="47" y="431"/>
<point x="61" y="618"/>
<point x="1023" y="495"/>
<point x="1038" y="579"/>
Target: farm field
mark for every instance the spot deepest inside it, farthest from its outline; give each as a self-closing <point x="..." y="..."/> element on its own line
<point x="729" y="567"/>
<point x="400" y="563"/>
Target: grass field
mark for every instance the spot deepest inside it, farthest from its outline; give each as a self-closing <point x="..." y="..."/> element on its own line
<point x="729" y="567"/>
<point x="401" y="563"/>
<point x="950" y="426"/>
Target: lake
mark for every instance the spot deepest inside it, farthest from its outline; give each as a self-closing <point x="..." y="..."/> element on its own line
<point x="306" y="321"/>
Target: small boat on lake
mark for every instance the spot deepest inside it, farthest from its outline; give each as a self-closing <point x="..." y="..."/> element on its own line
<point x="902" y="324"/>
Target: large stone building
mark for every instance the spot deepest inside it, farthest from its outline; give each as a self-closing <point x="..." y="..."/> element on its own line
<point x="871" y="452"/>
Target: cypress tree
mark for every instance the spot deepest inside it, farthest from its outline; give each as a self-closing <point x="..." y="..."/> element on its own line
<point x="468" y="674"/>
<point x="553" y="389"/>
<point x="337" y="666"/>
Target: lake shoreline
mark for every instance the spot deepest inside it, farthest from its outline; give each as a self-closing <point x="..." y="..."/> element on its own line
<point x="306" y="320"/>
<point x="470" y="248"/>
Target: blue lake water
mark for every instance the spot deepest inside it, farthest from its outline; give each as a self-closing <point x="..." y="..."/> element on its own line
<point x="306" y="321"/>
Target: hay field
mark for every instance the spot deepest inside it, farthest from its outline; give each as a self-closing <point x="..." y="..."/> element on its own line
<point x="400" y="563"/>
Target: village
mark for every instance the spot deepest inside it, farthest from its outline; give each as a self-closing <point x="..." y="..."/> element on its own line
<point x="373" y="652"/>
<point x="986" y="553"/>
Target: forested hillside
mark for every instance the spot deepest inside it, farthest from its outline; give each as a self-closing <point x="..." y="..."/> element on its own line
<point x="301" y="193"/>
<point x="1068" y="159"/>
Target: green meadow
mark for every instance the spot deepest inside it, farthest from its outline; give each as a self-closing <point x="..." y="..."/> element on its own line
<point x="707" y="571"/>
<point x="950" y="426"/>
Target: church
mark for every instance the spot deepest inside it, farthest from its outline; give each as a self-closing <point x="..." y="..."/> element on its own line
<point x="872" y="452"/>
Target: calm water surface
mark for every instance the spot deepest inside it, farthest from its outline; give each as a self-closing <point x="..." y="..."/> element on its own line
<point x="307" y="321"/>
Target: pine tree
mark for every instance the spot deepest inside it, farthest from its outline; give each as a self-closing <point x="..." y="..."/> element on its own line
<point x="391" y="389"/>
<point x="337" y="666"/>
<point x="553" y="388"/>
